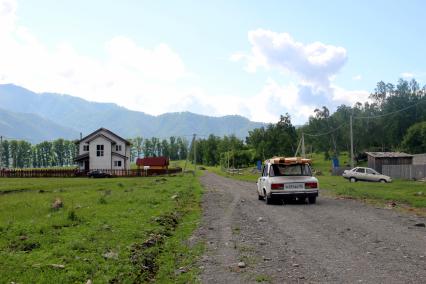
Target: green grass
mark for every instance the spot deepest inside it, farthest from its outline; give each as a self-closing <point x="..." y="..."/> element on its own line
<point x="122" y="230"/>
<point x="410" y="193"/>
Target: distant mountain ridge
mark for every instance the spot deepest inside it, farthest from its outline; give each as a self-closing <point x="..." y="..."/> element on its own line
<point x="31" y="127"/>
<point x="74" y="115"/>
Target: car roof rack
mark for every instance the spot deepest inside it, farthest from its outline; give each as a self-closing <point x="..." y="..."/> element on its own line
<point x="288" y="160"/>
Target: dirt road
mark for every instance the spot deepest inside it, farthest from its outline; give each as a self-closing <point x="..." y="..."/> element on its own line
<point x="333" y="241"/>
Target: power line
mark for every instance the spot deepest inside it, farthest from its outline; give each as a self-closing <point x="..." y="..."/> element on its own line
<point x="390" y="113"/>
<point x="365" y="117"/>
<point x="326" y="133"/>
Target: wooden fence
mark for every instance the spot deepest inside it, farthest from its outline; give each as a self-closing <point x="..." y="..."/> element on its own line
<point x="405" y="171"/>
<point x="22" y="173"/>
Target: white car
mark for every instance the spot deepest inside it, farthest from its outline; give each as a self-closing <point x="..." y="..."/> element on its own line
<point x="365" y="174"/>
<point x="287" y="178"/>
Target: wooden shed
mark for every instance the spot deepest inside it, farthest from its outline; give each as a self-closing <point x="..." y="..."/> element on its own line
<point x="377" y="159"/>
<point x="153" y="162"/>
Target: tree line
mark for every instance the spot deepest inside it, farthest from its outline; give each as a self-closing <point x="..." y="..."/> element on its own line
<point x="61" y="153"/>
<point x="390" y="122"/>
<point x="261" y="143"/>
<point x="176" y="148"/>
<point x="22" y="154"/>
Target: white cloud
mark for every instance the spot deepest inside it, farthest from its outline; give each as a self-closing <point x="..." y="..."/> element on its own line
<point x="407" y="75"/>
<point x="357" y="77"/>
<point x="7" y="16"/>
<point x="351" y="97"/>
<point x="316" y="66"/>
<point x="132" y="76"/>
<point x="315" y="63"/>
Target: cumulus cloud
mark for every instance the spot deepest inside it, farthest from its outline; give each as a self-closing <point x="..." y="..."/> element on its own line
<point x="130" y="75"/>
<point x="341" y="95"/>
<point x="314" y="63"/>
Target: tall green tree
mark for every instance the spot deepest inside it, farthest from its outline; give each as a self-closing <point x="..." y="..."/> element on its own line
<point x="415" y="139"/>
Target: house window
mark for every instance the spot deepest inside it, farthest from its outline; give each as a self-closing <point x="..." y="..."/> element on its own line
<point x="100" y="150"/>
<point x="117" y="147"/>
<point x="117" y="163"/>
<point x="85" y="147"/>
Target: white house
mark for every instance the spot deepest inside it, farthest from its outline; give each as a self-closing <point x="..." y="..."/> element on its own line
<point x="103" y="149"/>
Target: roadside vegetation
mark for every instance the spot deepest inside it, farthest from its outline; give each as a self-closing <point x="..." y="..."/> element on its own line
<point x="121" y="230"/>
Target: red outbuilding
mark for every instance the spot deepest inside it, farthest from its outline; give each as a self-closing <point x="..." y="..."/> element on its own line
<point x="153" y="162"/>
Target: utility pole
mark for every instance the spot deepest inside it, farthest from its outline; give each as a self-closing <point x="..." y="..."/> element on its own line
<point x="227" y="154"/>
<point x="352" y="142"/>
<point x="303" y="145"/>
<point x="1" y="152"/>
<point x="187" y="154"/>
<point x="195" y="153"/>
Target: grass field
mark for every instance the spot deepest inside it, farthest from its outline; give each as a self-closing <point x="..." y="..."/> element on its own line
<point x="120" y="230"/>
<point x="402" y="192"/>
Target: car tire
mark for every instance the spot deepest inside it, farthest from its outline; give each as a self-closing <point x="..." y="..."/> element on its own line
<point x="352" y="179"/>
<point x="260" y="197"/>
<point x="268" y="200"/>
<point x="383" y="181"/>
<point x="312" y="199"/>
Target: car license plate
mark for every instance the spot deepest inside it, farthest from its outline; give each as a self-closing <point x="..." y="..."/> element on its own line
<point x="294" y="186"/>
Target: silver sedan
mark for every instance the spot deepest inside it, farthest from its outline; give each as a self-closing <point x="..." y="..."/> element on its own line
<point x="365" y="174"/>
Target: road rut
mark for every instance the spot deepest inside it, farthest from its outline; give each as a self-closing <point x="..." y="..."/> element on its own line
<point x="333" y="241"/>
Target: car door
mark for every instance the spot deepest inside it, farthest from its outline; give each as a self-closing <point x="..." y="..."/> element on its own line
<point x="371" y="175"/>
<point x="360" y="174"/>
<point x="261" y="179"/>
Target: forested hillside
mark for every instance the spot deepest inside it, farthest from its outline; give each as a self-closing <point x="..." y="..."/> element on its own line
<point x="32" y="127"/>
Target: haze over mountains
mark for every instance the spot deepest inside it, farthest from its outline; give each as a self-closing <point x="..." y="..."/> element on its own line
<point x="28" y="115"/>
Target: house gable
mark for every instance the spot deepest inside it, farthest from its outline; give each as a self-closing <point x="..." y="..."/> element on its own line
<point x="104" y="150"/>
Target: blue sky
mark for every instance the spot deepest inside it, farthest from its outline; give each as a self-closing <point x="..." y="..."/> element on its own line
<point x="259" y="59"/>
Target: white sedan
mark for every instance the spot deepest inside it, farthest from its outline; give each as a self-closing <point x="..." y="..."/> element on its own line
<point x="285" y="178"/>
<point x="365" y="174"/>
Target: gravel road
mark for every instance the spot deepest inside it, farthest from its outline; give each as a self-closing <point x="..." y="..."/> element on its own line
<point x="333" y="241"/>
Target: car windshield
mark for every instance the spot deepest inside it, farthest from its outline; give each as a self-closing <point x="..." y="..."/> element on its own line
<point x="291" y="170"/>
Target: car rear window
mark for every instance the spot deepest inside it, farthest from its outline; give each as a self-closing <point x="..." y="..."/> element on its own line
<point x="290" y="170"/>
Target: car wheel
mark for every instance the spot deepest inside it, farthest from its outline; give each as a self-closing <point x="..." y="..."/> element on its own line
<point x="312" y="199"/>
<point x="268" y="200"/>
<point x="260" y="196"/>
<point x="352" y="179"/>
<point x="383" y="181"/>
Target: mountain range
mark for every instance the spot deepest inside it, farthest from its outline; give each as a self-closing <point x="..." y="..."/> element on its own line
<point x="45" y="116"/>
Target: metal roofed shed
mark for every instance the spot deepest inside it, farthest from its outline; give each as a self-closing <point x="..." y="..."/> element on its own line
<point x="376" y="160"/>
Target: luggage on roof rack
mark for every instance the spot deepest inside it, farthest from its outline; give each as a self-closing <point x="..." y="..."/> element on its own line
<point x="288" y="160"/>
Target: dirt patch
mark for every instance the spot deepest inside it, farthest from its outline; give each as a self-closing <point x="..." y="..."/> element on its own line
<point x="4" y="192"/>
<point x="23" y="244"/>
<point x="144" y="255"/>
